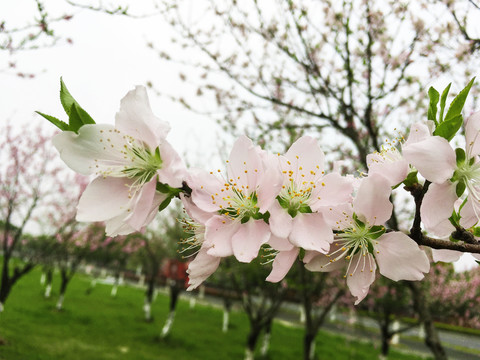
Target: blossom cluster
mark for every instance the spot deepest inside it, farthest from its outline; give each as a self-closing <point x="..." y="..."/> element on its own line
<point x="287" y="206"/>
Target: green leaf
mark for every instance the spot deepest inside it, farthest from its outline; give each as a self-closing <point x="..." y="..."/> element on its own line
<point x="165" y="203"/>
<point x="283" y="202"/>
<point x="305" y="209"/>
<point x="411" y="178"/>
<point x="66" y="98"/>
<point x="58" y="123"/>
<point x="457" y="104"/>
<point x="476" y="231"/>
<point x="432" y="109"/>
<point x="376" y="231"/>
<point x="448" y="129"/>
<point x="460" y="154"/>
<point x="166" y="189"/>
<point x="443" y="100"/>
<point x="478" y="262"/>
<point x="245" y="219"/>
<point x="292" y="212"/>
<point x="74" y="120"/>
<point x="460" y="189"/>
<point x="68" y="103"/>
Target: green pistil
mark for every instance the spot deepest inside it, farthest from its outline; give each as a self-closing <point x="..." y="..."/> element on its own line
<point x="295" y="200"/>
<point x="243" y="207"/>
<point x="144" y="164"/>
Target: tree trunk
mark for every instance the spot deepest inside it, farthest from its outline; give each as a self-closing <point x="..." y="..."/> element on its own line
<point x="266" y="338"/>
<point x="386" y="336"/>
<point x="309" y="345"/>
<point x="227" y="306"/>
<point x="252" y="340"/>
<point x="63" y="288"/>
<point x="175" y="291"/>
<point x="432" y="340"/>
<point x="48" y="282"/>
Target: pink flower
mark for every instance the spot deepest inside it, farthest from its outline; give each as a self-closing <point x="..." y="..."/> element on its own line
<point x="363" y="243"/>
<point x="204" y="264"/>
<point x="128" y="160"/>
<point x="240" y="202"/>
<point x="306" y="194"/>
<point x="450" y="174"/>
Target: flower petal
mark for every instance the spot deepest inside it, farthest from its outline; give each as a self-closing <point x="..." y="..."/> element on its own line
<point x="280" y="243"/>
<point x="104" y="198"/>
<point x="372" y="203"/>
<point x="316" y="261"/>
<point x="280" y="221"/>
<point x="270" y="183"/>
<point x="433" y="157"/>
<point x="389" y="164"/>
<point x="400" y="258"/>
<point x="194" y="211"/>
<point x="472" y="133"/>
<point x="311" y="232"/>
<point x="245" y="165"/>
<point x="218" y="235"/>
<point x="437" y="207"/>
<point x="203" y="186"/>
<point x="282" y="264"/>
<point x="446" y="255"/>
<point x="173" y="171"/>
<point x="418" y="132"/>
<point x="201" y="268"/>
<point x="143" y="205"/>
<point x="94" y="148"/>
<point x="332" y="190"/>
<point x="305" y="157"/>
<point x="359" y="281"/>
<point x="136" y="119"/>
<point x="246" y="242"/>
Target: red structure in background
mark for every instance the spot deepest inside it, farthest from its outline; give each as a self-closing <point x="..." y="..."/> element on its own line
<point x="176" y="270"/>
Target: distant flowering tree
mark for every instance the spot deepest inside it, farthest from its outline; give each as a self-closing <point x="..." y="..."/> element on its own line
<point x="30" y="181"/>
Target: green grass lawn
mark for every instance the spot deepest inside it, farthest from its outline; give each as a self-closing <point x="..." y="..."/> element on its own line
<point x="97" y="326"/>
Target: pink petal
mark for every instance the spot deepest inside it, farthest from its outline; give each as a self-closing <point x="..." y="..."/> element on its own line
<point x="400" y="258"/>
<point x="280" y="221"/>
<point x="433" y="157"/>
<point x="333" y="189"/>
<point x="136" y="119"/>
<point x="305" y="157"/>
<point x="389" y="164"/>
<point x="218" y="235"/>
<point x="311" y="232"/>
<point x="282" y="264"/>
<point x="194" y="211"/>
<point x="245" y="165"/>
<point x="472" y="132"/>
<point x="446" y="255"/>
<point x="82" y="152"/>
<point x="372" y="203"/>
<point x="203" y="186"/>
<point x="338" y="217"/>
<point x="201" y="268"/>
<point x="143" y="205"/>
<point x="418" y="132"/>
<point x="270" y="184"/>
<point x="316" y="261"/>
<point x="359" y="281"/>
<point x="117" y="226"/>
<point x="437" y="207"/>
<point x="173" y="171"/>
<point x="279" y="243"/>
<point x="246" y="242"/>
<point x="104" y="198"/>
<point x="469" y="213"/>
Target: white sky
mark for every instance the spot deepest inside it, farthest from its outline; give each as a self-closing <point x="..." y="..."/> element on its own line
<point x="108" y="58"/>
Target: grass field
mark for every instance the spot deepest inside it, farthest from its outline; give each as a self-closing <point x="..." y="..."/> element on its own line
<point x="98" y="327"/>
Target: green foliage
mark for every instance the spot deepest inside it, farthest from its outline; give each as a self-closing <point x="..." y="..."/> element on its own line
<point x="100" y="327"/>
<point x="77" y="116"/>
<point x="448" y="127"/>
